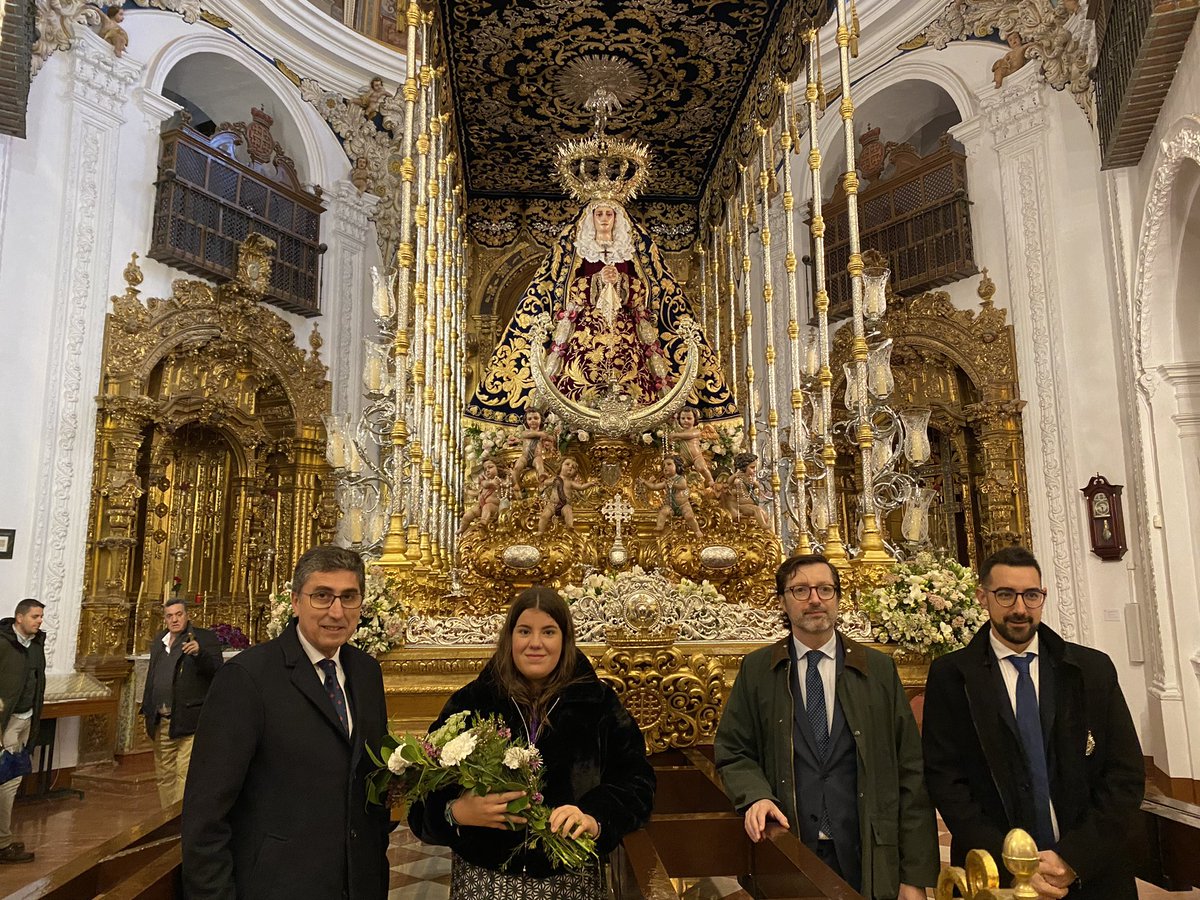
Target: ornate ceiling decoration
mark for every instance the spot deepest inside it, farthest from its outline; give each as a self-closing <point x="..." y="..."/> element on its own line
<point x="697" y="59"/>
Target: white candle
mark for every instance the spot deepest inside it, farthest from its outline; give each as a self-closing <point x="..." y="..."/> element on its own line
<point x="374" y="374"/>
<point x="356" y="525"/>
<point x="336" y="450"/>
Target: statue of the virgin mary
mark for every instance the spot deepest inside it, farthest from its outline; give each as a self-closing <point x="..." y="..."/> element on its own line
<point x="615" y="321"/>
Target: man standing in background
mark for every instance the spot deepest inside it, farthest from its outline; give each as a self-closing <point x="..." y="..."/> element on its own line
<point x="22" y="689"/>
<point x="183" y="661"/>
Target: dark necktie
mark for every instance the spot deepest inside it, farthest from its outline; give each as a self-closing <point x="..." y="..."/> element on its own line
<point x="1029" y="724"/>
<point x="814" y="694"/>
<point x="334" y="690"/>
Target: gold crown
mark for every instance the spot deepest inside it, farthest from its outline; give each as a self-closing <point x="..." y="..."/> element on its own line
<point x="603" y="168"/>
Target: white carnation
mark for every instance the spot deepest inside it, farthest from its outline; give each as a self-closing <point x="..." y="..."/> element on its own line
<point x="397" y="763"/>
<point x="515" y="757"/>
<point x="458" y="749"/>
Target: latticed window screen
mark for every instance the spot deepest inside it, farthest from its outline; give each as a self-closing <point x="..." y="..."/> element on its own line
<point x="207" y="204"/>
<point x="919" y="219"/>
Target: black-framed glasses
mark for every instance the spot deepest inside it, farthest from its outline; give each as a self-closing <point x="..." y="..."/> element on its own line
<point x="801" y="591"/>
<point x="1032" y="598"/>
<point x="324" y="599"/>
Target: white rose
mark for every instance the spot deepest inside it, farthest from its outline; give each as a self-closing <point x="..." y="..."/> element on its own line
<point x="458" y="749"/>
<point x="647" y="438"/>
<point x="397" y="763"/>
<point x="584" y="436"/>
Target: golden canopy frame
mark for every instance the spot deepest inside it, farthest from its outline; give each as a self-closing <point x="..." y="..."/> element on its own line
<point x="209" y="461"/>
<point x="962" y="365"/>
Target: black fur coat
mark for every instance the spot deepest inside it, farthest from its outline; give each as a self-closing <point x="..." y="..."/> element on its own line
<point x="594" y="758"/>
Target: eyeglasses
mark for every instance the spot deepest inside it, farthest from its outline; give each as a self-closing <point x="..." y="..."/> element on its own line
<point x="1032" y="598"/>
<point x="801" y="591"/>
<point x="324" y="599"/>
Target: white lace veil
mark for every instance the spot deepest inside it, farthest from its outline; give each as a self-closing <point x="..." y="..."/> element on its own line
<point x="621" y="249"/>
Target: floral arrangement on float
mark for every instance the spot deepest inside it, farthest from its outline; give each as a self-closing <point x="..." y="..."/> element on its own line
<point x="484" y="758"/>
<point x="381" y="624"/>
<point x="722" y="440"/>
<point x="926" y="605"/>
<point x="485" y="442"/>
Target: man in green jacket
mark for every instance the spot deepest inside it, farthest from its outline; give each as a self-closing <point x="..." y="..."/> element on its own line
<point x="818" y="737"/>
<point x="22" y="689"/>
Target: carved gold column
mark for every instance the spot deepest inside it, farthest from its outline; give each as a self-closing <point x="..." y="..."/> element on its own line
<point x="766" y="165"/>
<point x="1003" y="519"/>
<point x="747" y="323"/>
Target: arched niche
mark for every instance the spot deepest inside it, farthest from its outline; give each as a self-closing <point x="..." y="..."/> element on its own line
<point x="209" y="462"/>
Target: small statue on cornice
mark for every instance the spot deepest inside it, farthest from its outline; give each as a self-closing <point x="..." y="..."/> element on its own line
<point x="360" y="175"/>
<point x="373" y="98"/>
<point x="1016" y="57"/>
<point x="111" y="29"/>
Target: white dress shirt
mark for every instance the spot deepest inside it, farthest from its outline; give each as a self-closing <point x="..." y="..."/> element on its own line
<point x="315" y="656"/>
<point x="1009" y="672"/>
<point x="826" y="668"/>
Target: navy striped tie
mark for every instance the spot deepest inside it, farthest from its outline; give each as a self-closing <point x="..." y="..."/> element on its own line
<point x="334" y="690"/>
<point x="1029" y="724"/>
<point x="818" y="719"/>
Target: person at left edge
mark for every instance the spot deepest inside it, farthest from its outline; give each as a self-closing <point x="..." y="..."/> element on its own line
<point x="276" y="804"/>
<point x="183" y="661"/>
<point x="22" y="690"/>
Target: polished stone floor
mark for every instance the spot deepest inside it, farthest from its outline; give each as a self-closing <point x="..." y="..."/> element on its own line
<point x="58" y="830"/>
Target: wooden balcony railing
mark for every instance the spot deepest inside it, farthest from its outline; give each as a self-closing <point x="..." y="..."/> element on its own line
<point x="919" y="219"/>
<point x="208" y="202"/>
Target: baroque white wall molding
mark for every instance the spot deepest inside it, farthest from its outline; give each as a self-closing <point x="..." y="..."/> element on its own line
<point x="1017" y="119"/>
<point x="59" y="22"/>
<point x="155" y="108"/>
<point x="349" y="244"/>
<point x="99" y="85"/>
<point x="1181" y="143"/>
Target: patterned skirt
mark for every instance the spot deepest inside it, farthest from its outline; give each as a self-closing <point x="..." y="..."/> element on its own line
<point x="470" y="882"/>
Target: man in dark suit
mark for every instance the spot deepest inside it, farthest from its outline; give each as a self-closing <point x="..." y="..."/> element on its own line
<point x="183" y="661"/>
<point x="276" y="803"/>
<point x="818" y="737"/>
<point x="1026" y="730"/>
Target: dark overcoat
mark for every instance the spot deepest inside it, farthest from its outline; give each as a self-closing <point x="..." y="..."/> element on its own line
<point x="594" y="757"/>
<point x="14" y="658"/>
<point x="978" y="775"/>
<point x="190" y="681"/>
<point x="275" y="804"/>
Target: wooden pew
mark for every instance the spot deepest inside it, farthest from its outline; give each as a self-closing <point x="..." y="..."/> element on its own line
<point x="140" y="863"/>
<point x="695" y="832"/>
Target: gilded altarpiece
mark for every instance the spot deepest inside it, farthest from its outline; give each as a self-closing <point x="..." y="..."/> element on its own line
<point x="209" y="477"/>
<point x="961" y="365"/>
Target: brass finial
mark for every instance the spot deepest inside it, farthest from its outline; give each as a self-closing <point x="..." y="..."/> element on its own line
<point x="986" y="290"/>
<point x="133" y="273"/>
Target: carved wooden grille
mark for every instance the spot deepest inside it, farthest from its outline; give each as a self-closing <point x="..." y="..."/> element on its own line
<point x="919" y="219"/>
<point x="207" y="204"/>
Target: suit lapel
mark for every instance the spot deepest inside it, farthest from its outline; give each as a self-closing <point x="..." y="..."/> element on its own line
<point x="991" y="711"/>
<point x="307" y="681"/>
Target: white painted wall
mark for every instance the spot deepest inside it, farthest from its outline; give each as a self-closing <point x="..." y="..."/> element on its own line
<point x="76" y="199"/>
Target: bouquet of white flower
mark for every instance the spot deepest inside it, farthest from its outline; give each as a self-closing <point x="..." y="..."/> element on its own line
<point x="926" y="605"/>
<point x="484" y="758"/>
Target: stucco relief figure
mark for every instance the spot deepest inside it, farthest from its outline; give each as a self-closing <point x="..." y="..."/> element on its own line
<point x="371" y="100"/>
<point x="741" y="494"/>
<point x="558" y="495"/>
<point x="677" y="499"/>
<point x="1015" y="58"/>
<point x="112" y="31"/>
<point x="615" y="315"/>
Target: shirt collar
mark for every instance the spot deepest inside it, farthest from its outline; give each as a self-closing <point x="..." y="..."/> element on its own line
<point x="1003" y="651"/>
<point x="314" y="655"/>
<point x="25" y="641"/>
<point x="829" y="648"/>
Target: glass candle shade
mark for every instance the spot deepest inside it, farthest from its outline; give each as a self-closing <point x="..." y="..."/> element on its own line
<point x="851" y="386"/>
<point x="916" y="435"/>
<point x="377" y="376"/>
<point x="875" y="282"/>
<point x="914" y="527"/>
<point x="879" y="370"/>
<point x="336" y="428"/>
<point x="381" y="294"/>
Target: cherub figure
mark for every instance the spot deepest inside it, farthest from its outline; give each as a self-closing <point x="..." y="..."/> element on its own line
<point x="360" y="175"/>
<point x="677" y="500"/>
<point x="558" y="492"/>
<point x="534" y="453"/>
<point x="111" y="29"/>
<point x="487" y="504"/>
<point x="689" y="434"/>
<point x="740" y="495"/>
<point x="372" y="99"/>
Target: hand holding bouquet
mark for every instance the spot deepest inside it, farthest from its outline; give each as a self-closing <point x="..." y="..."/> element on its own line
<point x="484" y="760"/>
